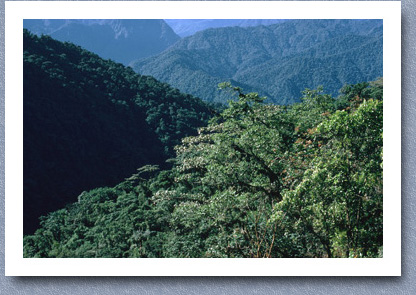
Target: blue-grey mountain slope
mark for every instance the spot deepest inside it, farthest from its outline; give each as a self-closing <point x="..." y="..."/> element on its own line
<point x="187" y="27"/>
<point x="120" y="40"/>
<point x="278" y="61"/>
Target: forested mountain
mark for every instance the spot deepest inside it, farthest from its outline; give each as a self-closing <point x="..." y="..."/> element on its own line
<point x="187" y="27"/>
<point x="261" y="180"/>
<point x="90" y="122"/>
<point x="278" y="61"/>
<point x="120" y="40"/>
<point x="122" y="165"/>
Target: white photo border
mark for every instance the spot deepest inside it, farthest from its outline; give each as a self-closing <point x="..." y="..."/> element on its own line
<point x="388" y="11"/>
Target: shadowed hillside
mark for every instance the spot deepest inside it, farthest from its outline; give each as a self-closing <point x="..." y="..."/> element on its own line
<point x="90" y="122"/>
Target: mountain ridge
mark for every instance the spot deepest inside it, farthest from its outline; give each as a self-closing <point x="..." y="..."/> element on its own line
<point x="187" y="27"/>
<point x="120" y="40"/>
<point x="226" y="53"/>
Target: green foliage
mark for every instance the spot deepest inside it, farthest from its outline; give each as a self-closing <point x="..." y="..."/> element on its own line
<point x="260" y="180"/>
<point x="90" y="122"/>
<point x="337" y="204"/>
<point x="105" y="222"/>
<point x="277" y="61"/>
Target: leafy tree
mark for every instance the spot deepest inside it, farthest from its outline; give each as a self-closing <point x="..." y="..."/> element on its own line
<point x="337" y="206"/>
<point x="260" y="180"/>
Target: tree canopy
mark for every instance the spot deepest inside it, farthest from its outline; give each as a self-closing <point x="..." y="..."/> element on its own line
<point x="260" y="180"/>
<point x="90" y="122"/>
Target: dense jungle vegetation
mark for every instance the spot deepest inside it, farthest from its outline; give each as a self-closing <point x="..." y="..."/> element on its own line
<point x="90" y="122"/>
<point x="260" y="180"/>
<point x="121" y="165"/>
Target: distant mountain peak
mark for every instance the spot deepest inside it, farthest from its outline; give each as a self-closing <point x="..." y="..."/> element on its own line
<point x="279" y="60"/>
<point x="188" y="27"/>
<point x="122" y="40"/>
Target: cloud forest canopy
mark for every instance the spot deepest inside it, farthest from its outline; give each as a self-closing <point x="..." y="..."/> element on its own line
<point x="278" y="61"/>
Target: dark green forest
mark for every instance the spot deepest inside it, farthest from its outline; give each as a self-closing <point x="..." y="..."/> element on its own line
<point x="121" y="165"/>
<point x="90" y="122"/>
<point x="278" y="61"/>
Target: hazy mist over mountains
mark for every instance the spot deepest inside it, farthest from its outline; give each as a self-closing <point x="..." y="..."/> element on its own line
<point x="120" y="40"/>
<point x="278" y="61"/>
<point x="127" y="40"/>
<point x="276" y="58"/>
<point x="187" y="27"/>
